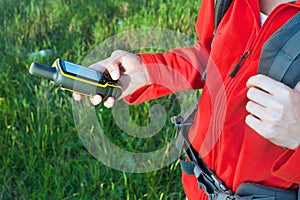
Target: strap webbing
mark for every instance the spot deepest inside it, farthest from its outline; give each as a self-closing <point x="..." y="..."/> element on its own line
<point x="280" y="56"/>
<point x="206" y="179"/>
<point x="221" y="6"/>
<point x="184" y="123"/>
<point x="289" y="52"/>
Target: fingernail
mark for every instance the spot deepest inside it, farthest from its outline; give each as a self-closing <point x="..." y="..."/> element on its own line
<point x="95" y="100"/>
<point x="114" y="75"/>
<point x="76" y="97"/>
<point x="109" y="103"/>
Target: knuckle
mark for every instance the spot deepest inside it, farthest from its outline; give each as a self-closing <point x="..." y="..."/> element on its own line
<point x="249" y="106"/>
<point x="287" y="93"/>
<point x="250" y="93"/>
<point x="274" y="121"/>
<point x="253" y="94"/>
<point x="117" y="54"/>
<point x="258" y="78"/>
<point x="269" y="131"/>
<point x="279" y="113"/>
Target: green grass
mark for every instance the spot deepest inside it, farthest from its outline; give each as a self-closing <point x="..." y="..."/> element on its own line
<point x="41" y="154"/>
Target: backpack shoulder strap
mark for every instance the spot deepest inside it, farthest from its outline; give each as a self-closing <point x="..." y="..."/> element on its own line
<point x="221" y="6"/>
<point x="280" y="56"/>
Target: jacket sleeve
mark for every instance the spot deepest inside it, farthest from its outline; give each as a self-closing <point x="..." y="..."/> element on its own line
<point x="179" y="69"/>
<point x="287" y="167"/>
<point x="174" y="71"/>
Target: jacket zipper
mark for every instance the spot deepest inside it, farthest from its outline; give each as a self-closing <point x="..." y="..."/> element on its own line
<point x="260" y="36"/>
<point x="238" y="65"/>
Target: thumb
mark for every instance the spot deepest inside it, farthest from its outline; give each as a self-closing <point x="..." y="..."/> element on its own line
<point x="297" y="87"/>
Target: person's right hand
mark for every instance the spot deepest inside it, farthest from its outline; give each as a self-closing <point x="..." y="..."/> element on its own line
<point x="126" y="67"/>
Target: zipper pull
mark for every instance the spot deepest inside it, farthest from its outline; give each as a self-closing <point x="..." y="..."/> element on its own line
<point x="238" y="65"/>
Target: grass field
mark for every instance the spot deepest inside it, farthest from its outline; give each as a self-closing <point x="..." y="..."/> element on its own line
<point x="41" y="154"/>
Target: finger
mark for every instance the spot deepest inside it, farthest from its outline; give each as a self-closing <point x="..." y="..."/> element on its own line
<point x="102" y="64"/>
<point x="255" y="123"/>
<point x="114" y="70"/>
<point x="109" y="102"/>
<point x="118" y="54"/>
<point x="77" y="97"/>
<point x="98" y="66"/>
<point x="117" y="58"/>
<point x="266" y="83"/>
<point x="256" y="110"/>
<point x="95" y="100"/>
<point x="258" y="96"/>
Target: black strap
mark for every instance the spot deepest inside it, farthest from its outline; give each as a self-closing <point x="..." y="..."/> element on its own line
<point x="280" y="57"/>
<point x="259" y="191"/>
<point x="184" y="123"/>
<point x="221" y="6"/>
<point x="290" y="51"/>
<point x="206" y="179"/>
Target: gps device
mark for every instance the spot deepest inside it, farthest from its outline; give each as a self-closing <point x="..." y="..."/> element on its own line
<point x="79" y="79"/>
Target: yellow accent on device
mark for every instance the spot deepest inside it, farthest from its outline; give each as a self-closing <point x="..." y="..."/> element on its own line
<point x="79" y="79"/>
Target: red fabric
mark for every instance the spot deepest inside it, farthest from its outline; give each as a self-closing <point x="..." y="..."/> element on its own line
<point x="230" y="148"/>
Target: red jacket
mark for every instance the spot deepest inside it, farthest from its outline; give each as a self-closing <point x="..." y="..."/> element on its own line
<point x="230" y="148"/>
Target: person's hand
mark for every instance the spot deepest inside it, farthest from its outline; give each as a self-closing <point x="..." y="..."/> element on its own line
<point x="274" y="111"/>
<point x="126" y="67"/>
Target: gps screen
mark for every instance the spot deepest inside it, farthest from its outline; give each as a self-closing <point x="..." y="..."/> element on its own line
<point x="80" y="71"/>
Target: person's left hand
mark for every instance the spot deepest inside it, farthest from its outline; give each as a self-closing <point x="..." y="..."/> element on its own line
<point x="274" y="110"/>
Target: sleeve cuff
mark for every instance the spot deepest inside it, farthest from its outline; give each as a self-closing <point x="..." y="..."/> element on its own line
<point x="287" y="166"/>
<point x="155" y="77"/>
